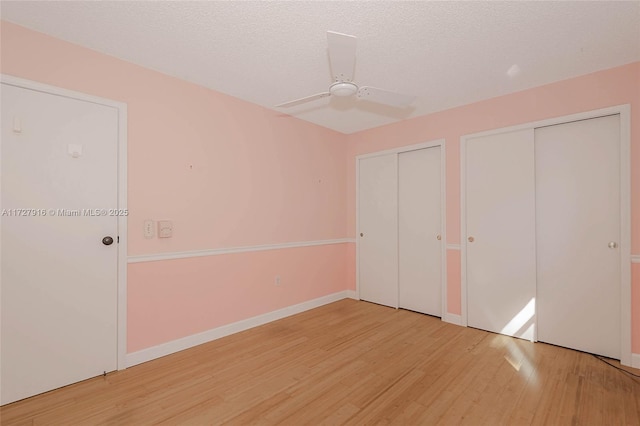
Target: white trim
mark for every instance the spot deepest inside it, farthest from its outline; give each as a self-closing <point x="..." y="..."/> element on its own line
<point x="357" y="265"/>
<point x="187" y="342"/>
<point x="443" y="191"/>
<point x="635" y="258"/>
<point x="625" y="202"/>
<point x="122" y="193"/>
<point x="443" y="228"/>
<point x="397" y="167"/>
<point x="407" y="148"/>
<point x="463" y="231"/>
<point x="452" y="319"/>
<point x="635" y="360"/>
<point x="53" y="90"/>
<point x="123" y="240"/>
<point x="625" y="234"/>
<point x="351" y="294"/>
<point x="586" y="115"/>
<point x="232" y="250"/>
<point x="453" y="246"/>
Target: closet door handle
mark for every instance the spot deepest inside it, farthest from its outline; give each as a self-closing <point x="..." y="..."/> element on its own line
<point x="438" y="237"/>
<point x="613" y="245"/>
<point x="470" y="239"/>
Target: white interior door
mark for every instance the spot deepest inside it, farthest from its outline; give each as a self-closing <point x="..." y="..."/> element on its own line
<point x="500" y="233"/>
<point x="578" y="234"/>
<point x="420" y="230"/>
<point x="58" y="279"/>
<point x="378" y="229"/>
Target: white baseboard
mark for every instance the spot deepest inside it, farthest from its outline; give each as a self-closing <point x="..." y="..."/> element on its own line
<point x="351" y="294"/>
<point x="183" y="343"/>
<point x="635" y="360"/>
<point x="452" y="318"/>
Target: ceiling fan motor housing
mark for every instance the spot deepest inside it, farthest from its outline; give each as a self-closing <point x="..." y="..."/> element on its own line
<point x="343" y="89"/>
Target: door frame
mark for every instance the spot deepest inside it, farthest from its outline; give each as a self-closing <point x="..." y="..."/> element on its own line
<point x="443" y="249"/>
<point x="122" y="195"/>
<point x="625" y="210"/>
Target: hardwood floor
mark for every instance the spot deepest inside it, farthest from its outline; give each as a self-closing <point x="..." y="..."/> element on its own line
<point x="350" y="363"/>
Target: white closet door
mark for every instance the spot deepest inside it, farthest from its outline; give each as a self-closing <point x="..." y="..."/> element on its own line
<point x="578" y="231"/>
<point x="419" y="229"/>
<point x="378" y="230"/>
<point x="500" y="228"/>
<point x="59" y="283"/>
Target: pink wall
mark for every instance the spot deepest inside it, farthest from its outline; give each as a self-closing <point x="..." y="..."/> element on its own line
<point x="226" y="172"/>
<point x="177" y="298"/>
<point x="454" y="297"/>
<point x="611" y="87"/>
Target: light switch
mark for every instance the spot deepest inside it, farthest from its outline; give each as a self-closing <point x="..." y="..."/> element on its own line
<point x="149" y="231"/>
<point x="165" y="229"/>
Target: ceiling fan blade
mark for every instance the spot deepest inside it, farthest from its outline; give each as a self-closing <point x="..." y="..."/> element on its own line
<point x="342" y="53"/>
<point x="303" y="100"/>
<point x="386" y="97"/>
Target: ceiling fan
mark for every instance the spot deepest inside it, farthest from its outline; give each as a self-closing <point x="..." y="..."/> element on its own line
<point x="342" y="55"/>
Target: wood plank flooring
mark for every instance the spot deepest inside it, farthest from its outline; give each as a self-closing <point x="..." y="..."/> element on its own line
<point x="352" y="363"/>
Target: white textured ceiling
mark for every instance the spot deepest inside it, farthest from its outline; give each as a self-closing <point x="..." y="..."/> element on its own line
<point x="268" y="52"/>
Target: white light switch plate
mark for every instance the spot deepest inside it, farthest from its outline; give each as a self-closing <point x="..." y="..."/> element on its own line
<point x="149" y="230"/>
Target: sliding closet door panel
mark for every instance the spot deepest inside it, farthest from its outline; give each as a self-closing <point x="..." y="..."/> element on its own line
<point x="578" y="234"/>
<point x="500" y="240"/>
<point x="378" y="230"/>
<point x="419" y="226"/>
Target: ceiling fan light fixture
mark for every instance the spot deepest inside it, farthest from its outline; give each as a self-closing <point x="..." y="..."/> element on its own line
<point x="343" y="89"/>
<point x="342" y="56"/>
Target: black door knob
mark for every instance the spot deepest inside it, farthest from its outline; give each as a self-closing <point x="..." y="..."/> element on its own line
<point x="107" y="241"/>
